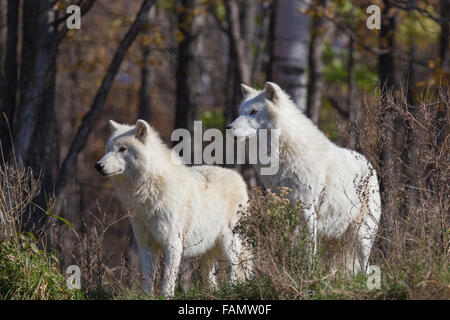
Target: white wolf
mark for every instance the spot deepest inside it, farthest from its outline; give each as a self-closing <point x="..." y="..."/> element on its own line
<point x="337" y="187"/>
<point x="183" y="212"/>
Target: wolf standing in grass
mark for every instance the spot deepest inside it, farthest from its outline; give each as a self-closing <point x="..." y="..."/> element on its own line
<point x="338" y="188"/>
<point x="179" y="211"/>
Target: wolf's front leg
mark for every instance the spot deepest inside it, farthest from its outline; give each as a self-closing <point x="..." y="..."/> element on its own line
<point x="311" y="222"/>
<point x="172" y="265"/>
<point x="149" y="264"/>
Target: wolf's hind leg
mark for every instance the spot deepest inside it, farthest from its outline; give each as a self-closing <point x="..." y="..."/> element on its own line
<point x="209" y="270"/>
<point x="231" y="250"/>
<point x="186" y="274"/>
<point x="172" y="267"/>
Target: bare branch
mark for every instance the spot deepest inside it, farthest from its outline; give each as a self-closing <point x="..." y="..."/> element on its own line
<point x="91" y="117"/>
<point x="339" y="108"/>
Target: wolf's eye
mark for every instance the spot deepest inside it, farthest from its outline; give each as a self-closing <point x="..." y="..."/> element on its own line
<point x="254" y="111"/>
<point x="122" y="149"/>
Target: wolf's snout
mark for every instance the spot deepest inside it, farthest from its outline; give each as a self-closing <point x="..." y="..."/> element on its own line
<point x="228" y="126"/>
<point x="99" y="167"/>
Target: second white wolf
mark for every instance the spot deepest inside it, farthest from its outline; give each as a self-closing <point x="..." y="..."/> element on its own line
<point x="337" y="187"/>
<point x="181" y="211"/>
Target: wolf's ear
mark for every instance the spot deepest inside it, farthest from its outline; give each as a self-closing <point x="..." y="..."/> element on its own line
<point x="113" y="125"/>
<point x="142" y="130"/>
<point x="246" y="90"/>
<point x="272" y="92"/>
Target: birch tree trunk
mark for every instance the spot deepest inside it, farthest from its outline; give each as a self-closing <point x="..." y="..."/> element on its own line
<point x="289" y="49"/>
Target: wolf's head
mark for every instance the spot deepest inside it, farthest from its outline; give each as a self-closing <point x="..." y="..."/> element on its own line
<point x="257" y="110"/>
<point x="126" y="150"/>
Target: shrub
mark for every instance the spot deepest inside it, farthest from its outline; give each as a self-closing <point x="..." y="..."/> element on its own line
<point x="27" y="270"/>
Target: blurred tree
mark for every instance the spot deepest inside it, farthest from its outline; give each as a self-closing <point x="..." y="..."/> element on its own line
<point x="445" y="36"/>
<point x="444" y="56"/>
<point x="239" y="54"/>
<point x="241" y="25"/>
<point x="387" y="82"/>
<point x="386" y="42"/>
<point x="289" y="49"/>
<point x="238" y="22"/>
<point x="144" y="111"/>
<point x="315" y="63"/>
<point x="3" y="19"/>
<point x="8" y="79"/>
<point x="185" y="104"/>
<point x="238" y="41"/>
<point x="34" y="114"/>
<point x="352" y="96"/>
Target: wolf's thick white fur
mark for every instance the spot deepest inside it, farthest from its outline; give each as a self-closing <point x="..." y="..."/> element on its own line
<point x="337" y="187"/>
<point x="180" y="211"/>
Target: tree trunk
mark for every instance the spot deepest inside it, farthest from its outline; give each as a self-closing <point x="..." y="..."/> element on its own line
<point x="237" y="41"/>
<point x="315" y="83"/>
<point x="259" y="40"/>
<point x="387" y="82"/>
<point x="231" y="102"/>
<point x="241" y="31"/>
<point x="410" y="150"/>
<point x="445" y="66"/>
<point x="445" y="36"/>
<point x="386" y="42"/>
<point x="146" y="81"/>
<point x="184" y="105"/>
<point x="144" y="110"/>
<point x="289" y="49"/>
<point x="8" y="88"/>
<point x="37" y="38"/>
<point x="40" y="155"/>
<point x="352" y="96"/>
<point x="3" y="19"/>
<point x="34" y="116"/>
<point x="248" y="22"/>
<point x="239" y="69"/>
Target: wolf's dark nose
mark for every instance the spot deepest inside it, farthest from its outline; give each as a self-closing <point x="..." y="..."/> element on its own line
<point x="99" y="167"/>
<point x="228" y="127"/>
